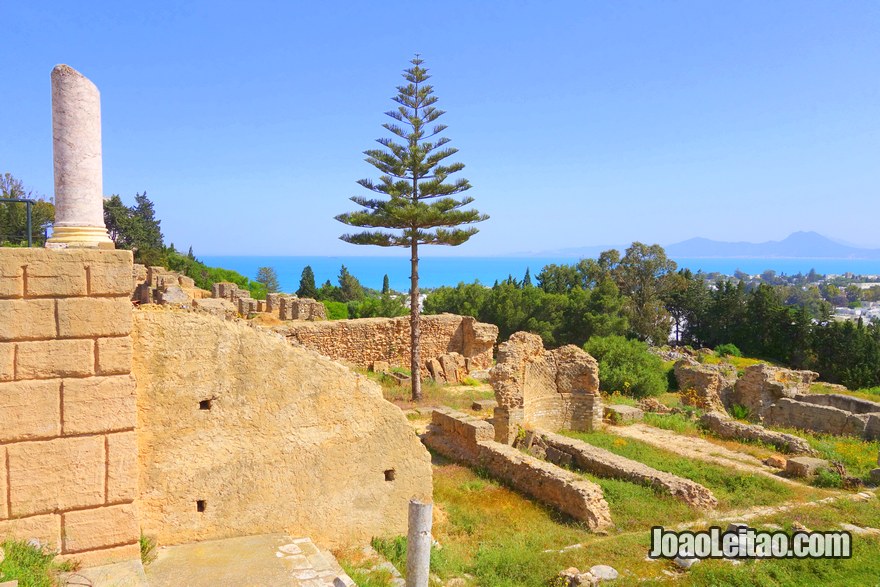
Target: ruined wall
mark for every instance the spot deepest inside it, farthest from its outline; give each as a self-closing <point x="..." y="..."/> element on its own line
<point x="68" y="452"/>
<point x="547" y="389"/>
<point x="705" y="386"/>
<point x="467" y="439"/>
<point x="570" y="452"/>
<point x="762" y="385"/>
<point x="243" y="433"/>
<point x="804" y="412"/>
<point x="367" y="340"/>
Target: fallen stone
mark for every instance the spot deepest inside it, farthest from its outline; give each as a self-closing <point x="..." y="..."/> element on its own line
<point x="604" y="572"/>
<point x="480" y="405"/>
<point x="649" y="404"/>
<point x="798" y="527"/>
<point x="859" y="530"/>
<point x="875" y="476"/>
<point x="13" y="583"/>
<point x="570" y="452"/>
<point x="621" y="414"/>
<point x="804" y="466"/>
<point x="721" y="425"/>
<point x="400" y="378"/>
<point x="775" y="462"/>
<point x="685" y="562"/>
<point x="175" y="296"/>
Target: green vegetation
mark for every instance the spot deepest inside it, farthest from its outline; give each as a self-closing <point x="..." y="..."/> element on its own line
<point x="148" y="549"/>
<point x="627" y="366"/>
<point x="31" y="566"/>
<point x="724" y="350"/>
<point x="269" y="278"/>
<point x="416" y="205"/>
<point x="857" y="455"/>
<point x="137" y="228"/>
<point x="733" y="489"/>
<point x="13" y="216"/>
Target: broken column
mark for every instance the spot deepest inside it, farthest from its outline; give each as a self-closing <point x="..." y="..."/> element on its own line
<point x="76" y="141"/>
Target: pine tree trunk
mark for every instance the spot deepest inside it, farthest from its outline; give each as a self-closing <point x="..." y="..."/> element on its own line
<point x="415" y="330"/>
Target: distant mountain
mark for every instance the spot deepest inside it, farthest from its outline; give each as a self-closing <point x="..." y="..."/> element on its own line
<point x="810" y="245"/>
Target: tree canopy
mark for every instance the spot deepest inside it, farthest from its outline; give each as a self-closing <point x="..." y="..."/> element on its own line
<point x="414" y="201"/>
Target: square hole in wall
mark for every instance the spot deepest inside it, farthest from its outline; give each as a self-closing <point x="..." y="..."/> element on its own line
<point x="205" y="404"/>
<point x="389" y="475"/>
<point x="201" y="504"/>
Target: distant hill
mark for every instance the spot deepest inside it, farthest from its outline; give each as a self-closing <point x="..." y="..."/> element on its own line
<point x="810" y="245"/>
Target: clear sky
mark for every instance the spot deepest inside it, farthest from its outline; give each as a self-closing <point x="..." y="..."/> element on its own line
<point x="580" y="123"/>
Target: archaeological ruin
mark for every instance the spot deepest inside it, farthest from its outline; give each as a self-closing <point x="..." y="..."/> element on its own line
<point x="114" y="421"/>
<point x="547" y="389"/>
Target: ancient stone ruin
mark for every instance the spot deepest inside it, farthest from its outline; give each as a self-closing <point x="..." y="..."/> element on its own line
<point x="267" y="436"/>
<point x="470" y="440"/>
<point x="77" y="157"/>
<point x="544" y="389"/>
<point x="366" y="341"/>
<point x="762" y="385"/>
<point x="180" y="424"/>
<point x="829" y="413"/>
<point x="704" y="386"/>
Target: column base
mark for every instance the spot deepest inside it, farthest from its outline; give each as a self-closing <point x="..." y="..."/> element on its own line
<point x="79" y="237"/>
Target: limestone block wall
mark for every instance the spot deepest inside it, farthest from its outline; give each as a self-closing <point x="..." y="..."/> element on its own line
<point x="469" y="440"/>
<point x="68" y="450"/>
<point x="548" y="389"/>
<point x="367" y="340"/>
<point x="242" y="433"/>
<point x="805" y="413"/>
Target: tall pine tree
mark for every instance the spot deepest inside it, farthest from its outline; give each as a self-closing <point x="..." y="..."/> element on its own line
<point x="415" y="204"/>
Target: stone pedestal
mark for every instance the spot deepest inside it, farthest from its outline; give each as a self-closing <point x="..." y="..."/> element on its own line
<point x="76" y="141"/>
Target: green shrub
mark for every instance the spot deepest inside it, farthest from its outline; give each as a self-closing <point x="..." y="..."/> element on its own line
<point x="627" y="366"/>
<point x="336" y="310"/>
<point x="31" y="566"/>
<point x="740" y="412"/>
<point x="826" y="477"/>
<point x="723" y="350"/>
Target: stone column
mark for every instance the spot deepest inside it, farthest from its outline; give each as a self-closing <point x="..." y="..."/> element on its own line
<point x="76" y="141"/>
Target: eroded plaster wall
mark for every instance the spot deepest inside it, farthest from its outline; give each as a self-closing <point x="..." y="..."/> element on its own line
<point x="242" y="433"/>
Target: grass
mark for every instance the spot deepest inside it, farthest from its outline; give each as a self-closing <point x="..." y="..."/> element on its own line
<point x="459" y="397"/>
<point x="872" y="394"/>
<point x="734" y="489"/>
<point x="503" y="539"/>
<point x="148" y="549"/>
<point x="857" y="455"/>
<point x="30" y="566"/>
<point x="862" y="569"/>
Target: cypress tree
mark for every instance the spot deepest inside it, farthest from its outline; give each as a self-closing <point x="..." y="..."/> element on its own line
<point x="415" y="204"/>
<point x="307" y="287"/>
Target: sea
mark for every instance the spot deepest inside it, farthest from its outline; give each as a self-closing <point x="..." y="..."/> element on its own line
<point x="439" y="271"/>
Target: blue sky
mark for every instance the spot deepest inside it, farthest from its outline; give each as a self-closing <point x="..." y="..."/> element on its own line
<point x="580" y="123"/>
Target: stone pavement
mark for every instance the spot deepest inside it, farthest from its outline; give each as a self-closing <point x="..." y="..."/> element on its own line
<point x="266" y="560"/>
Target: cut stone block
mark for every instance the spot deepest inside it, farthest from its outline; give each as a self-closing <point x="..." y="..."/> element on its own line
<point x="804" y="466"/>
<point x="875" y="476"/>
<point x="620" y="414"/>
<point x="484" y="404"/>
